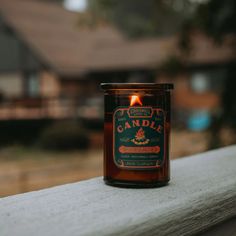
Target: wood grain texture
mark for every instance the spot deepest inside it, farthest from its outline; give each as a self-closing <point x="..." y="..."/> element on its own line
<point x="226" y="228"/>
<point x="202" y="193"/>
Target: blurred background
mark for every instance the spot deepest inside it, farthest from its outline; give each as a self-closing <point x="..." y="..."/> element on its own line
<point x="55" y="53"/>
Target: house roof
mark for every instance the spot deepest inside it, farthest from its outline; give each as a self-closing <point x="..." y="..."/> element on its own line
<point x="54" y="35"/>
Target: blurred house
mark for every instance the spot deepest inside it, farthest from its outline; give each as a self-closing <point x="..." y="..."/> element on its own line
<point x="200" y="83"/>
<point x="50" y="66"/>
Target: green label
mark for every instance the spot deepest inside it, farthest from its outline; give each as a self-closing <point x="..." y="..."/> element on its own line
<point x="138" y="137"/>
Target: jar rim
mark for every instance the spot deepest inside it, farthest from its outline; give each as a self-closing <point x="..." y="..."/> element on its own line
<point x="152" y="86"/>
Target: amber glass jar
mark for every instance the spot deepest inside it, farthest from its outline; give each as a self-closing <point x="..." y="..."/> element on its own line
<point x="136" y="134"/>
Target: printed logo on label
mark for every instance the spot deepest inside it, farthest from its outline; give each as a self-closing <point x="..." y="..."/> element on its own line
<point x="138" y="137"/>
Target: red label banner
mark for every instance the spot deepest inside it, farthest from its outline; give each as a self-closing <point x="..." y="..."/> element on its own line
<point x="153" y="149"/>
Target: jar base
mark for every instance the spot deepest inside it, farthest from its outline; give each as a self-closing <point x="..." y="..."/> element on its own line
<point x="134" y="184"/>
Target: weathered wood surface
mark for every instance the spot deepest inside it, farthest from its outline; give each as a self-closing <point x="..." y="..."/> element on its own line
<point x="226" y="228"/>
<point x="202" y="193"/>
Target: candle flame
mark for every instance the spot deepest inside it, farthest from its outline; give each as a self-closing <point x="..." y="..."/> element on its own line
<point x="135" y="100"/>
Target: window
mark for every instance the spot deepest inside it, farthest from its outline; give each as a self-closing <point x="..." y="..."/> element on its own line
<point x="33" y="84"/>
<point x="200" y="82"/>
<point x="208" y="80"/>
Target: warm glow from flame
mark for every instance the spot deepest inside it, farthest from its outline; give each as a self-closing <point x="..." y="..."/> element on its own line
<point x="135" y="100"/>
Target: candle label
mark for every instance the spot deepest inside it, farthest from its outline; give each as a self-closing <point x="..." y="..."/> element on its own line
<point x="138" y="137"/>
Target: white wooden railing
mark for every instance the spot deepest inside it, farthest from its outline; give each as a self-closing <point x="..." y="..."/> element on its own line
<point x="201" y="194"/>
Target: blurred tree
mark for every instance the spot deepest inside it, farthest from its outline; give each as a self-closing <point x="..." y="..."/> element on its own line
<point x="217" y="18"/>
<point x="138" y="18"/>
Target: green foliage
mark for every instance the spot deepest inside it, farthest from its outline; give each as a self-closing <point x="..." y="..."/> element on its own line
<point x="67" y="135"/>
<point x="217" y="17"/>
<point x="139" y="18"/>
<point x="229" y="97"/>
<point x="21" y="132"/>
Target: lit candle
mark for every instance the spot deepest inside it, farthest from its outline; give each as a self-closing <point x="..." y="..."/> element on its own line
<point x="136" y="134"/>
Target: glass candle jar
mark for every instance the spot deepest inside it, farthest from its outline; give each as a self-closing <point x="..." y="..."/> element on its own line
<point x="136" y="134"/>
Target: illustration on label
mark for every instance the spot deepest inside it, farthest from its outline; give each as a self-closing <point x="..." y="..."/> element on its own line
<point x="138" y="137"/>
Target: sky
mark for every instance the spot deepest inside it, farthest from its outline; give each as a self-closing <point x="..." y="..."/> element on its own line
<point x="75" y="5"/>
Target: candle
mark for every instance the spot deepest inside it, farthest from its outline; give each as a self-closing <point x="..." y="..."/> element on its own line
<point x="136" y="134"/>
